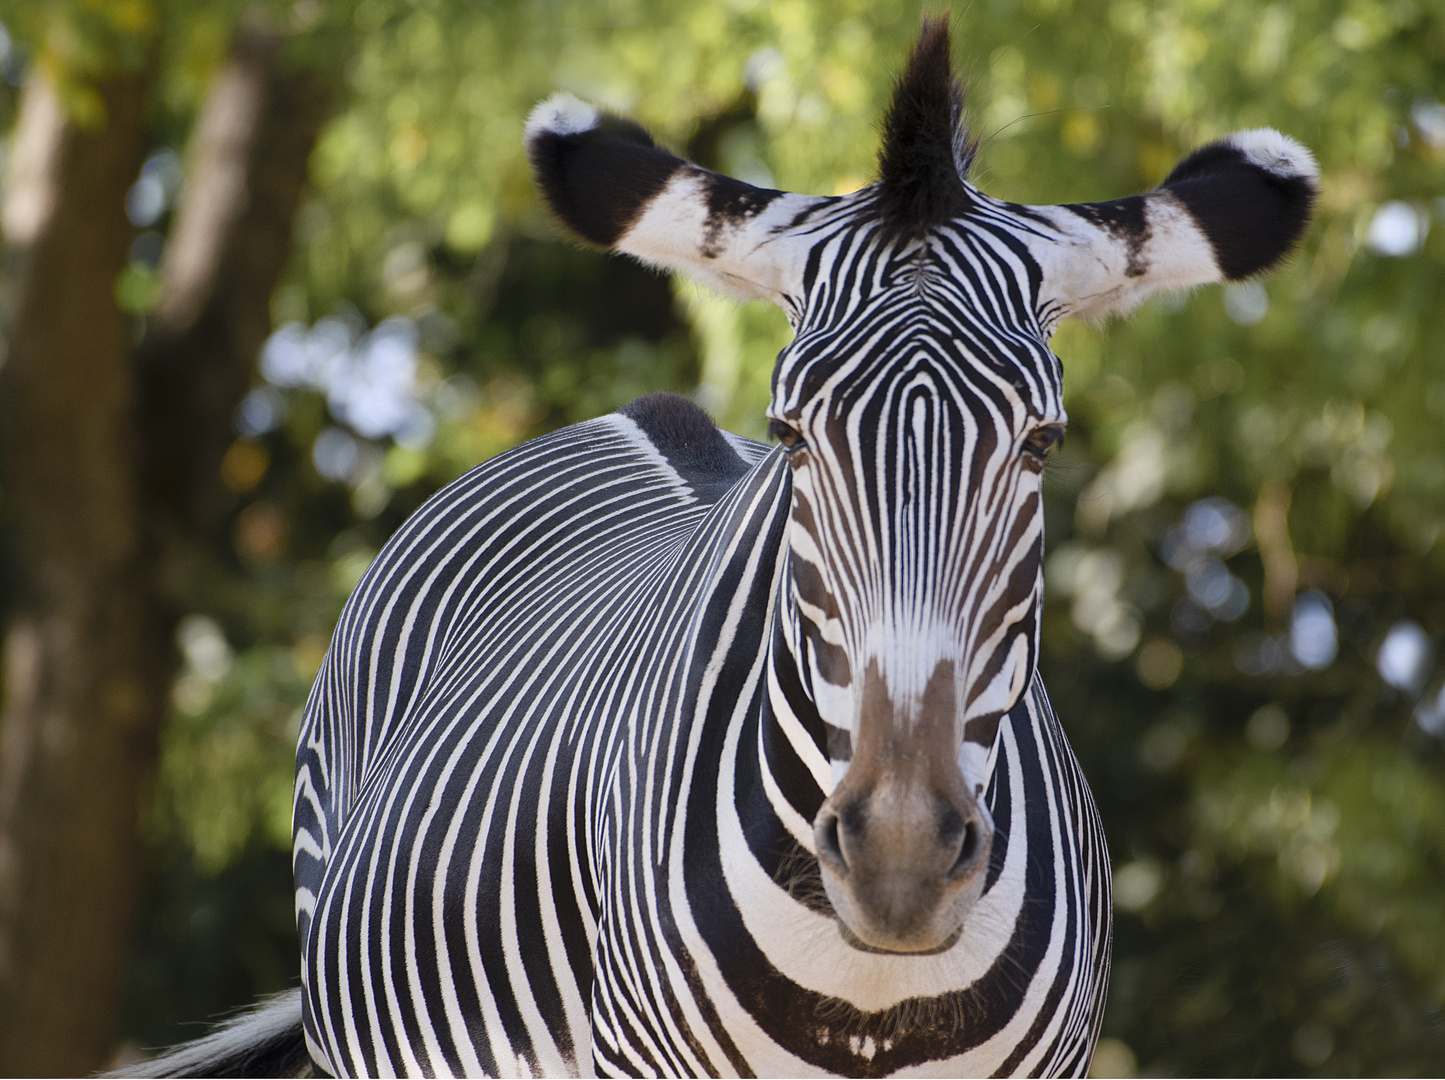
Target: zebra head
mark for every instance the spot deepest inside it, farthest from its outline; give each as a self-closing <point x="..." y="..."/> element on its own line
<point x="917" y="405"/>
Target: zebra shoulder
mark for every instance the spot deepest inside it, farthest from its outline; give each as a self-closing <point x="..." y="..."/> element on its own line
<point x="689" y="442"/>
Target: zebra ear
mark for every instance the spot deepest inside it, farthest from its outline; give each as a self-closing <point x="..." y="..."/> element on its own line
<point x="1229" y="210"/>
<point x="611" y="185"/>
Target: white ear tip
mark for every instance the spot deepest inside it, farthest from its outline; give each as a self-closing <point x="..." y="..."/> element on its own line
<point x="1276" y="153"/>
<point x="561" y="114"/>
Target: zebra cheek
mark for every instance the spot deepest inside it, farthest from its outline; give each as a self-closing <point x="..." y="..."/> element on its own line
<point x="1006" y="686"/>
<point x="973" y="762"/>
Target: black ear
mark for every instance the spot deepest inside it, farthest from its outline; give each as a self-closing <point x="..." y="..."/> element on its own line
<point x="1252" y="196"/>
<point x="597" y="172"/>
<point x="1229" y="210"/>
<point x="610" y="184"/>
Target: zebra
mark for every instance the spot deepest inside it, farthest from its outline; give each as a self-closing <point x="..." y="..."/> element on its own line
<point x="647" y="749"/>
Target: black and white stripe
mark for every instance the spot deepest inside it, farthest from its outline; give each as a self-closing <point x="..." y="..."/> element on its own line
<point x="571" y="779"/>
<point x="599" y="865"/>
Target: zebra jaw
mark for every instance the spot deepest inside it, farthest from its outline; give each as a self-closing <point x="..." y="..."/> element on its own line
<point x="903" y="840"/>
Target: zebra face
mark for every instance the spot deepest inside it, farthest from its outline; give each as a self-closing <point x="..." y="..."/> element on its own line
<point x="916" y="406"/>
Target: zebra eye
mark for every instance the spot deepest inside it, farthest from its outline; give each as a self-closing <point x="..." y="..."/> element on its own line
<point x="1039" y="442"/>
<point x="785" y="433"/>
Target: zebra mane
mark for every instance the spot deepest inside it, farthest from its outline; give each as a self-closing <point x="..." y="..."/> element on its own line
<point x="927" y="148"/>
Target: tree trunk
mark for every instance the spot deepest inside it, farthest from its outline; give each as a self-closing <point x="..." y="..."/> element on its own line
<point x="84" y="681"/>
<point x="227" y="250"/>
<point x="110" y="481"/>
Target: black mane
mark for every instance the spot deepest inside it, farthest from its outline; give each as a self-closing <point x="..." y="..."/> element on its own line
<point x="927" y="149"/>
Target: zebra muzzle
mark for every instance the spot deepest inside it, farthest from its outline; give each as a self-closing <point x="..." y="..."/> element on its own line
<point x="902" y="841"/>
<point x="902" y="863"/>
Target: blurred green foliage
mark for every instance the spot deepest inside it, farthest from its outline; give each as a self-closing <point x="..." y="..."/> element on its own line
<point x="1276" y="815"/>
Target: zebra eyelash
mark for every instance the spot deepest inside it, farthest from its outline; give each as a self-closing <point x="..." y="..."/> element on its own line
<point x="1040" y="443"/>
<point x="788" y="436"/>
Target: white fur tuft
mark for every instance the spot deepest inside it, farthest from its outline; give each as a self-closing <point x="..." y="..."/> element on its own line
<point x="561" y="114"/>
<point x="1276" y="153"/>
<point x="261" y="1041"/>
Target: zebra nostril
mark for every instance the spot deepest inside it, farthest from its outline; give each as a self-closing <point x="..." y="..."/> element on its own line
<point x="830" y="845"/>
<point x="967" y="850"/>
